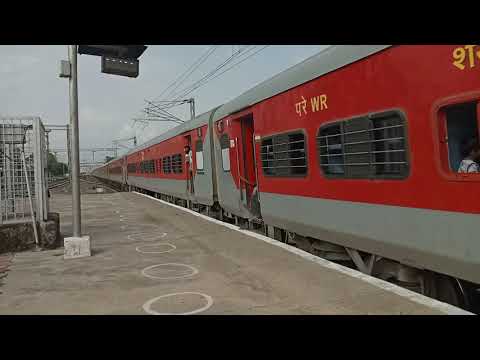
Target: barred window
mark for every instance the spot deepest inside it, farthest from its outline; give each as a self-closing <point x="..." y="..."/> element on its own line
<point x="177" y="166"/>
<point x="372" y="146"/>
<point x="149" y="166"/>
<point x="199" y="156"/>
<point x="131" y="168"/>
<point x="167" y="165"/>
<point x="284" y="155"/>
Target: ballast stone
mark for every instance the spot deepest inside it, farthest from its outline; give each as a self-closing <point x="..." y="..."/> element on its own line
<point x="76" y="247"/>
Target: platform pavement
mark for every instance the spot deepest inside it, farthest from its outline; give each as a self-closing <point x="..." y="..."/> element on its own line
<point x="151" y="258"/>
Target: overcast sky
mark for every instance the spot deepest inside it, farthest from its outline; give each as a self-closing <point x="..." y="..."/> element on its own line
<point x="30" y="85"/>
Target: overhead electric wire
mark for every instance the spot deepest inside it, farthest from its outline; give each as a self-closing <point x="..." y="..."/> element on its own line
<point x="190" y="70"/>
<point x="238" y="63"/>
<point x="158" y="109"/>
<point x="213" y="75"/>
<point x="205" y="77"/>
<point x="169" y="104"/>
<point x="214" y="71"/>
<point x="228" y="69"/>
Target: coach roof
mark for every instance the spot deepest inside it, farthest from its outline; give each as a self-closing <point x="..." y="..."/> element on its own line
<point x="328" y="60"/>
<point x="198" y="121"/>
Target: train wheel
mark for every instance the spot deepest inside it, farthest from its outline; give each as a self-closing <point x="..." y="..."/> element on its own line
<point x="445" y="289"/>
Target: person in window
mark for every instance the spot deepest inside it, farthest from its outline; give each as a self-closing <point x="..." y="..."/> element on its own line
<point x="189" y="166"/>
<point x="471" y="158"/>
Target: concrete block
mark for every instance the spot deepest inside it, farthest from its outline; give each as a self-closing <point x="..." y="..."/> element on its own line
<point x="19" y="236"/>
<point x="50" y="237"/>
<point x="16" y="237"/>
<point x="76" y="247"/>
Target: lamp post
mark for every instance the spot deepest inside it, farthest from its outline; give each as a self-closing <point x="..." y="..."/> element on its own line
<point x="76" y="209"/>
<point x="116" y="59"/>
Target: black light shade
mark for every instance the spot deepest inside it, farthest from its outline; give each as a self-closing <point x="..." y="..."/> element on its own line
<point x="119" y="51"/>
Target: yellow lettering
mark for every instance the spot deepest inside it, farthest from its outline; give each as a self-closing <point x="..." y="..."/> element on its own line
<point x="323" y="102"/>
<point x="302" y="105"/>
<point x="298" y="109"/>
<point x="459" y="57"/>
<point x="471" y="59"/>
<point x="315" y="102"/>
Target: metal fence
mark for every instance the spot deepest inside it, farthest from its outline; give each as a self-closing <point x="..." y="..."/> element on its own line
<point x="23" y="151"/>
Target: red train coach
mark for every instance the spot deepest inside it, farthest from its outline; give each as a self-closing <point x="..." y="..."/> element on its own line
<point x="351" y="155"/>
<point x="360" y="146"/>
<point x="160" y="166"/>
<point x="115" y="170"/>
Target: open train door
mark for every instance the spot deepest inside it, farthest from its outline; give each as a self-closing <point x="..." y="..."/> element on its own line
<point x="124" y="170"/>
<point x="246" y="163"/>
<point x="189" y="166"/>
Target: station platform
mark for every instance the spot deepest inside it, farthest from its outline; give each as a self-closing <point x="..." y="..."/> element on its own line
<point x="151" y="257"/>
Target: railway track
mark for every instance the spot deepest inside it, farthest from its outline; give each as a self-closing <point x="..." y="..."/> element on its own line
<point x="88" y="184"/>
<point x="58" y="183"/>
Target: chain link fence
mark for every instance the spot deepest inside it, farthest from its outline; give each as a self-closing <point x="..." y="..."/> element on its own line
<point x="23" y="169"/>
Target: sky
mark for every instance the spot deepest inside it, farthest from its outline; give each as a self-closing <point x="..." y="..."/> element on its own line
<point x="30" y="85"/>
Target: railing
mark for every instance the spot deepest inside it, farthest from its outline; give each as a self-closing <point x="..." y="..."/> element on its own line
<point x="23" y="169"/>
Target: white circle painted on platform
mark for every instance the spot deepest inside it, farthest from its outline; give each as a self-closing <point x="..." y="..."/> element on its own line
<point x="100" y="221"/>
<point x="141" y="236"/>
<point x="148" y="304"/>
<point x="145" y="227"/>
<point x="143" y="249"/>
<point x="194" y="271"/>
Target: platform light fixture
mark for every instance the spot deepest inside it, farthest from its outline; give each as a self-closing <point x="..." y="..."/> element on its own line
<point x="118" y="60"/>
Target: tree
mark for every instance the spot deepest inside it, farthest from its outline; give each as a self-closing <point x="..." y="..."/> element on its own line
<point x="56" y="168"/>
<point x="108" y="158"/>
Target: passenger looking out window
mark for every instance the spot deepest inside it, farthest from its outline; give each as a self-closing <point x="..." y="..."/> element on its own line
<point x="471" y="153"/>
<point x="462" y="137"/>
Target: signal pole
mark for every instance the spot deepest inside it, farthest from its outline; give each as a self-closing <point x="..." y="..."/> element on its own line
<point x="76" y="207"/>
<point x="116" y="59"/>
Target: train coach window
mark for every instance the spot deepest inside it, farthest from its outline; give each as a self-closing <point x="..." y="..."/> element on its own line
<point x="150" y="166"/>
<point x="284" y="155"/>
<point x="199" y="156"/>
<point x="389" y="145"/>
<point x="132" y="168"/>
<point x="177" y="165"/>
<point x="268" y="157"/>
<point x="167" y="166"/>
<point x="330" y="145"/>
<point x="225" y="146"/>
<point x="366" y="147"/>
<point x="461" y="126"/>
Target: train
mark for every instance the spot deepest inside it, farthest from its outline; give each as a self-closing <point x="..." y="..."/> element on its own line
<point x="351" y="155"/>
